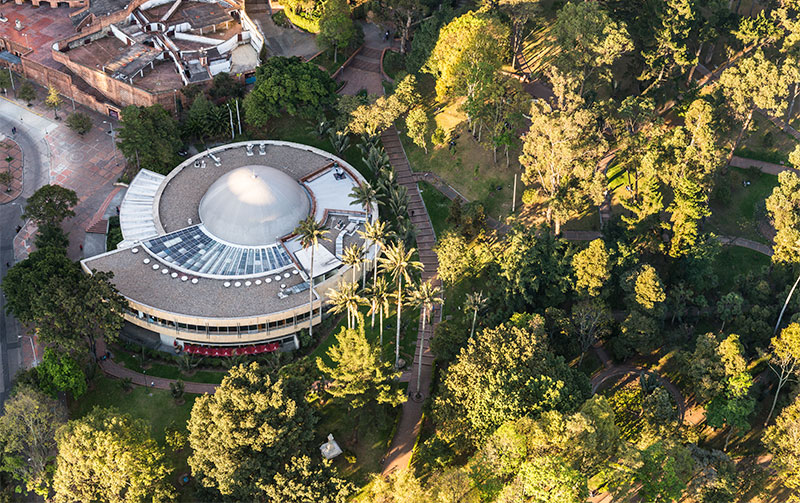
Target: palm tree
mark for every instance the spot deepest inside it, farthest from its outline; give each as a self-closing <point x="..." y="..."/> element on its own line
<point x="380" y="302"/>
<point x="397" y="261"/>
<point x="376" y="158"/>
<point x="346" y="299"/>
<point x="475" y="301"/>
<point x="364" y="195"/>
<point x="339" y="140"/>
<point x="311" y="232"/>
<point x="353" y="256"/>
<point x="376" y="234"/>
<point x="426" y="296"/>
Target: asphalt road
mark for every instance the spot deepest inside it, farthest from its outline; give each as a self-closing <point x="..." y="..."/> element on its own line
<point x="31" y="130"/>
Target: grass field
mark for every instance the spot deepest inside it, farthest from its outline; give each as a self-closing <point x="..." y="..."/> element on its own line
<point x="739" y="212"/>
<point x="438" y="206"/>
<point x="735" y="260"/>
<point x="766" y="142"/>
<point x="165" y="370"/>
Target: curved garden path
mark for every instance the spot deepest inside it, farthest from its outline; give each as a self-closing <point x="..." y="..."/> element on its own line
<point x="114" y="369"/>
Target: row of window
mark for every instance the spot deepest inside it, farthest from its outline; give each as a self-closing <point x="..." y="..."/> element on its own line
<point x="229" y="330"/>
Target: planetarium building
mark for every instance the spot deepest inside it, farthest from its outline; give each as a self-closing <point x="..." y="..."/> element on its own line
<point x="209" y="260"/>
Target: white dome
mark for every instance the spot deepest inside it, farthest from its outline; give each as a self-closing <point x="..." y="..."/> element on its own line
<point x="253" y="205"/>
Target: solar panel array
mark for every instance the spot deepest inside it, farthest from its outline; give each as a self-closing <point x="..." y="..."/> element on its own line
<point x="194" y="250"/>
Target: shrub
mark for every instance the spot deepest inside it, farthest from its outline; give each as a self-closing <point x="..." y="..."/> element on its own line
<point x="529" y="197"/>
<point x="439" y="137"/>
<point x="310" y="25"/>
<point x="79" y="122"/>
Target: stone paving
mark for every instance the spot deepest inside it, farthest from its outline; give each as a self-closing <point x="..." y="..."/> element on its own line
<point x="11" y="161"/>
<point x="364" y="71"/>
<point x="86" y="164"/>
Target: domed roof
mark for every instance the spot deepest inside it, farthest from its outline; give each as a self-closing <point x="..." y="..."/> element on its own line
<point x="253" y="205"/>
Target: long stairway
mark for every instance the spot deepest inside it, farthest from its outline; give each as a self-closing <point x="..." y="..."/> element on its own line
<point x="399" y="454"/>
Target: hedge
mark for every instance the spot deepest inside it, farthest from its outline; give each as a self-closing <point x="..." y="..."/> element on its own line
<point x="304" y="23"/>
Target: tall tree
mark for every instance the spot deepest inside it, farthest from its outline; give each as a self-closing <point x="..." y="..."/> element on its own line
<point x="418" y="128"/>
<point x="149" y="136"/>
<point x="289" y="84"/>
<point x="505" y="373"/>
<point x="404" y="13"/>
<point x="336" y="28"/>
<point x="732" y="407"/>
<point x="302" y="480"/>
<point x="426" y="296"/>
<point x="247" y="431"/>
<point x="50" y="205"/>
<point x="592" y="267"/>
<point x="359" y="376"/>
<point x="28" y="428"/>
<point x="590" y="41"/>
<point x="381" y="297"/>
<point x="353" y="256"/>
<point x="108" y="456"/>
<point x="783" y="206"/>
<point x="590" y="320"/>
<point x="754" y="83"/>
<point x="53" y="100"/>
<point x="470" y="50"/>
<point x="560" y="154"/>
<point x="311" y="232"/>
<point x="61" y="372"/>
<point x="782" y="440"/>
<point x="398" y="262"/>
<point x="346" y="299"/>
<point x="679" y="25"/>
<point x="784" y="359"/>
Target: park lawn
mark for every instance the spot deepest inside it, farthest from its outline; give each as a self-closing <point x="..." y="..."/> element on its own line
<point x="408" y="336"/>
<point x="739" y="213"/>
<point x="363" y="434"/>
<point x="469" y="167"/>
<point x="165" y="370"/>
<point x="155" y="406"/>
<point x="325" y="59"/>
<point x="766" y="142"/>
<point x="438" y="206"/>
<point x="735" y="260"/>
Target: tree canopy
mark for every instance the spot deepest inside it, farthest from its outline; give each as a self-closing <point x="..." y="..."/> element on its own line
<point x="149" y="137"/>
<point x="247" y="431"/>
<point x="290" y="85"/>
<point x="50" y="205"/>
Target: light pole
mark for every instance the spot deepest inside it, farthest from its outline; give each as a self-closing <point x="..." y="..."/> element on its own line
<point x="33" y="348"/>
<point x="113" y="143"/>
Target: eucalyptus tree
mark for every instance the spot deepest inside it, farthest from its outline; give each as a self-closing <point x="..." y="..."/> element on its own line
<point x="311" y="233"/>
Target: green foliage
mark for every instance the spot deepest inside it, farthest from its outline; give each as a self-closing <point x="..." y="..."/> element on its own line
<point x="61" y="373"/>
<point x="784" y="211"/>
<point x="425" y="37"/>
<point x="560" y="153"/>
<point x="291" y="85"/>
<point x="205" y="119"/>
<point x="663" y="473"/>
<point x="51" y="236"/>
<point x="535" y="269"/>
<point x="302" y="21"/>
<point x="301" y="481"/>
<point x="79" y="122"/>
<point x="28" y="428"/>
<point x="418" y="127"/>
<point x="592" y="268"/>
<point x="469" y="51"/>
<point x="336" y="29"/>
<point x="225" y="87"/>
<point x="783" y="442"/>
<point x="50" y="205"/>
<point x="149" y="137"/>
<point x="502" y="374"/>
<point x="590" y="42"/>
<point x="264" y="421"/>
<point x="110" y="456"/>
<point x="26" y="92"/>
<point x="25" y="281"/>
<point x="358" y="374"/>
<point x="440" y="137"/>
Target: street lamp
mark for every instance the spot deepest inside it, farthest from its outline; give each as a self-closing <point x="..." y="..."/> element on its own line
<point x="113" y="143"/>
<point x="33" y="348"/>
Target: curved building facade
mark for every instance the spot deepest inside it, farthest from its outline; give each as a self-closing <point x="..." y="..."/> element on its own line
<point x="209" y="259"/>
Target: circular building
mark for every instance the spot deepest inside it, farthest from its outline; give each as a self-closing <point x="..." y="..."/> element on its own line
<point x="209" y="261"/>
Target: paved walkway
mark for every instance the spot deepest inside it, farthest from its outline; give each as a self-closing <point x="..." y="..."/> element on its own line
<point x="399" y="455"/>
<point x="364" y="71"/>
<point x="113" y="369"/>
<point x="763" y="166"/>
